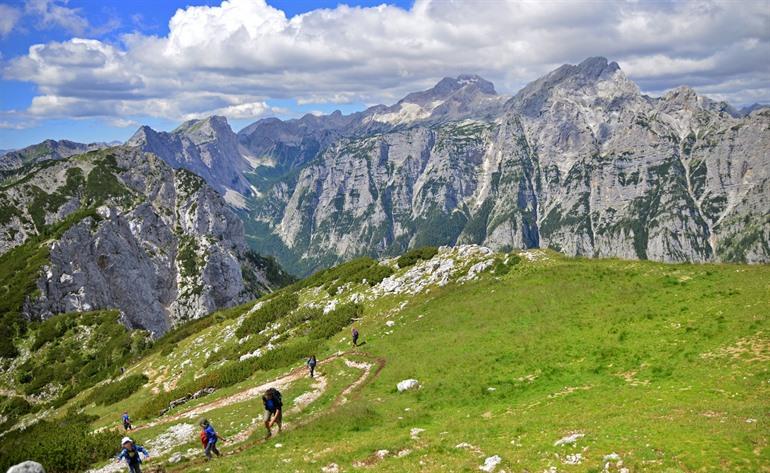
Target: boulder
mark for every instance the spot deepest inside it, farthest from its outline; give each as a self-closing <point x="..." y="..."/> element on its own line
<point x="27" y="467"/>
<point x="408" y="384"/>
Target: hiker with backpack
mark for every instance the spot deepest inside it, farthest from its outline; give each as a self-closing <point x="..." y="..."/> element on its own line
<point x="273" y="410"/>
<point x="355" y="337"/>
<point x="131" y="453"/>
<point x="127" y="422"/>
<point x="209" y="438"/>
<point x="311" y="363"/>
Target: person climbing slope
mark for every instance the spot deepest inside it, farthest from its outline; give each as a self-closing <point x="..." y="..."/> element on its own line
<point x="311" y="364"/>
<point x="126" y="422"/>
<point x="209" y="438"/>
<point x="273" y="410"/>
<point x="355" y="336"/>
<point x="131" y="453"/>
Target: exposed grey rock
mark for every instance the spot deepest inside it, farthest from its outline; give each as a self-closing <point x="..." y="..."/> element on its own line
<point x="162" y="246"/>
<point x="579" y="161"/>
<point x="208" y="148"/>
<point x="27" y="467"/>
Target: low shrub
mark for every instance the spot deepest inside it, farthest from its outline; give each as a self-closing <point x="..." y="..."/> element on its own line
<point x="50" y="442"/>
<point x="270" y="311"/>
<point x="331" y="323"/>
<point x="118" y="390"/>
<point x="302" y="315"/>
<point x="416" y="254"/>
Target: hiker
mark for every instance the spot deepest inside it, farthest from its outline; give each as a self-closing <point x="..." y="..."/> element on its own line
<point x="131" y="453"/>
<point x="355" y="337"/>
<point x="127" y="422"/>
<point x="273" y="410"/>
<point x="209" y="438"/>
<point x="311" y="362"/>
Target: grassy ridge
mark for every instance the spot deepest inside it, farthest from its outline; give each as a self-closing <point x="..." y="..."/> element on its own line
<point x="664" y="365"/>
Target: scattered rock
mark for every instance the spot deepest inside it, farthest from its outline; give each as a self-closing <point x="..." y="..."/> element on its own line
<point x="27" y="467"/>
<point x="381" y="453"/>
<point x="472" y="448"/>
<point x="189" y="397"/>
<point x="490" y="464"/>
<point x="408" y="384"/>
<point x="568" y="440"/>
<point x="390" y="323"/>
<point x="403" y="452"/>
<point x="331" y="468"/>
<point x="415" y="432"/>
<point x="612" y="457"/>
<point x="573" y="459"/>
<point x="279" y="445"/>
<point x="175" y="458"/>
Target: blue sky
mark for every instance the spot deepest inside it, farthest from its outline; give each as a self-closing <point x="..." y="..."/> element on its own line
<point x="92" y="70"/>
<point x="115" y="18"/>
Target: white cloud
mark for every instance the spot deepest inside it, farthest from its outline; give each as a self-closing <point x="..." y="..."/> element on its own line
<point x="54" y="13"/>
<point x="122" y="122"/>
<point x="9" y="16"/>
<point x="232" y="58"/>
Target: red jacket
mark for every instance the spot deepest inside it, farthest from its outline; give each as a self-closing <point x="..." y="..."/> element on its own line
<point x="204" y="438"/>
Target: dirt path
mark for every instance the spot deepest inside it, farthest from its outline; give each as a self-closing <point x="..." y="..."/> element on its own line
<point x="370" y="372"/>
<point x="181" y="433"/>
<point x="248" y="394"/>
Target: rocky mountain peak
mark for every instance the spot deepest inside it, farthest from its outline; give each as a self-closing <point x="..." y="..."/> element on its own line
<point x="465" y="84"/>
<point x="200" y="130"/>
<point x="593" y="79"/>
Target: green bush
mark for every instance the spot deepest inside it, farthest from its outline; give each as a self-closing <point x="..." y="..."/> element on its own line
<point x="271" y="310"/>
<point x="353" y="271"/>
<point x="51" y="329"/>
<point x="77" y="365"/>
<point x="301" y="315"/>
<point x="331" y="323"/>
<point x="60" y="445"/>
<point x="417" y="254"/>
<point x="118" y="390"/>
<point x="15" y="406"/>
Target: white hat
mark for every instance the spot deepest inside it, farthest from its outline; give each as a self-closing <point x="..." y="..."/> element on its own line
<point x="126" y="439"/>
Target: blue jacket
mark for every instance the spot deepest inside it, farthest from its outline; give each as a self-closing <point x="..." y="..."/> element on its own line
<point x="211" y="434"/>
<point x="132" y="456"/>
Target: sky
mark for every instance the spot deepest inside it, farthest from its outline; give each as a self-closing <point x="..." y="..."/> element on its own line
<point x="95" y="70"/>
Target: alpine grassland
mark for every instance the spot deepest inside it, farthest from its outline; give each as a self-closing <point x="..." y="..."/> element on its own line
<point x="530" y="361"/>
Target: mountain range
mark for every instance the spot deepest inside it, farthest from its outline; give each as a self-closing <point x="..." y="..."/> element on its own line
<point x="579" y="161"/>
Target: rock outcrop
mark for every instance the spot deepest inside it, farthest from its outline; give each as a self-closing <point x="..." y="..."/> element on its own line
<point x="208" y="148"/>
<point x="124" y="230"/>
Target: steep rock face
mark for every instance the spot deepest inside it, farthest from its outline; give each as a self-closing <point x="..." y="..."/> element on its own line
<point x="208" y="148"/>
<point x="154" y="242"/>
<point x="579" y="160"/>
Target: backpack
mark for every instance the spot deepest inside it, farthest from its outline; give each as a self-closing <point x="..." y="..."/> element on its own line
<point x="276" y="397"/>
